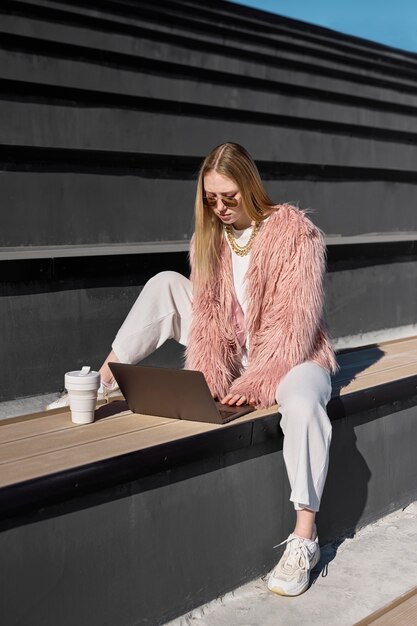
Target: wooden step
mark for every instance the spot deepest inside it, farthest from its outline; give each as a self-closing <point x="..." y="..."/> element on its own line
<point x="400" y="612"/>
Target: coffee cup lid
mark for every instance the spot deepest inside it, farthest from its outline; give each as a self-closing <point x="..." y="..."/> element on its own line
<point x="84" y="373"/>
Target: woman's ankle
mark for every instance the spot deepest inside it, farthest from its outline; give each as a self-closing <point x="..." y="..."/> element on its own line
<point x="107" y="384"/>
<point x="305" y="526"/>
<point x="107" y="378"/>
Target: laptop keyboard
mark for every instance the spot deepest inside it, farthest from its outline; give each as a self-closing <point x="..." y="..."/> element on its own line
<point x="227" y="413"/>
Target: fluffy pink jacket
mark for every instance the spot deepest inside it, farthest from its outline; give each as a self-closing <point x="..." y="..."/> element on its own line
<point x="284" y="321"/>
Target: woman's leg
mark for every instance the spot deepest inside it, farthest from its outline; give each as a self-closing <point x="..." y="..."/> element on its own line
<point x="303" y="395"/>
<point x="106" y="376"/>
<point x="305" y="525"/>
<point x="161" y="312"/>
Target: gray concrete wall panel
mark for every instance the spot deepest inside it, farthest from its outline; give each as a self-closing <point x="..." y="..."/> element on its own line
<point x="98" y="209"/>
<point x="131" y="131"/>
<point x="208" y="21"/>
<point x="146" y="42"/>
<point x="49" y="327"/>
<point x="246" y="38"/>
<point x="276" y="102"/>
<point x="211" y="66"/>
<point x="314" y="103"/>
<point x="42" y="335"/>
<point x="371" y="296"/>
<point x="104" y="208"/>
<point x="352" y="207"/>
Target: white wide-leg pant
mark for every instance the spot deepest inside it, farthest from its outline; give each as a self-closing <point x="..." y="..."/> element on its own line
<point x="163" y="311"/>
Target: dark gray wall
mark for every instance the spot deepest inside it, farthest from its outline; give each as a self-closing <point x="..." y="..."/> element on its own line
<point x="52" y="324"/>
<point x="331" y="117"/>
<point x="106" y="110"/>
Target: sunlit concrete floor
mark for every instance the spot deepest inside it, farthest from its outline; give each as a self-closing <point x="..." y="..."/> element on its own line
<point x="23" y="406"/>
<point x="355" y="577"/>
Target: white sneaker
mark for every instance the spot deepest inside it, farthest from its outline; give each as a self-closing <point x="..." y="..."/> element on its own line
<point x="292" y="574"/>
<point x="104" y="393"/>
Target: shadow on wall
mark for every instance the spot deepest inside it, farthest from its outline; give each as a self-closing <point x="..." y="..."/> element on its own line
<point x="346" y="491"/>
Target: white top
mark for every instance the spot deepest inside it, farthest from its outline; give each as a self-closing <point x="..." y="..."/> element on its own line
<point x="240" y="266"/>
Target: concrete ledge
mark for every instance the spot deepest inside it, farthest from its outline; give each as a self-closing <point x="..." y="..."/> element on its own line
<point x="149" y="247"/>
<point x="334" y="583"/>
<point x="51" y="252"/>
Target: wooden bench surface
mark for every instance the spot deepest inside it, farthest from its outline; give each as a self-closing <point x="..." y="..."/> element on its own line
<point x="46" y="443"/>
<point x="49" y="442"/>
<point x="402" y="610"/>
<point x="388" y="361"/>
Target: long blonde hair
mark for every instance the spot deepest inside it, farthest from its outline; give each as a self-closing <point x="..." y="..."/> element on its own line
<point x="234" y="162"/>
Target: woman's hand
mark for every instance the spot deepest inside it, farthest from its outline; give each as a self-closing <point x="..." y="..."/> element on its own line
<point x="237" y="399"/>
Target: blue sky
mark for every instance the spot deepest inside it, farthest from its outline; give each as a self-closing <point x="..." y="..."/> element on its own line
<point x="384" y="21"/>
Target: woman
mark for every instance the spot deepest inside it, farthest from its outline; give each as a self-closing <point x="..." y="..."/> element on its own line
<point x="251" y="318"/>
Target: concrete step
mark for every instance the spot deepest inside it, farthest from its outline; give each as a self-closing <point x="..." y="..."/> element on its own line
<point x="355" y="577"/>
<point x="24" y="406"/>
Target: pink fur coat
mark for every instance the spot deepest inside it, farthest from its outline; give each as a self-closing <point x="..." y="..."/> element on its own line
<point x="284" y="321"/>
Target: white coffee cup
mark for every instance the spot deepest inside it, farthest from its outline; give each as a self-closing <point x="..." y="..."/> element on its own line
<point x="82" y="386"/>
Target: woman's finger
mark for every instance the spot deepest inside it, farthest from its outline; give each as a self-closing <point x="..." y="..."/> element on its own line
<point x="234" y="399"/>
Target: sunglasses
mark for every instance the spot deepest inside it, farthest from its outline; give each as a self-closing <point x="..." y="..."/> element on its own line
<point x="227" y="201"/>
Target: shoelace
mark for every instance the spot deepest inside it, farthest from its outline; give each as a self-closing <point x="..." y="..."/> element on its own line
<point x="299" y="555"/>
<point x="108" y="391"/>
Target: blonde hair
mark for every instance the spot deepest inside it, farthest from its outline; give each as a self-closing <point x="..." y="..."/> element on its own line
<point x="234" y="162"/>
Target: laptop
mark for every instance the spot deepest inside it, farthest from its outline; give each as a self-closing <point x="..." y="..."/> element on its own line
<point x="167" y="392"/>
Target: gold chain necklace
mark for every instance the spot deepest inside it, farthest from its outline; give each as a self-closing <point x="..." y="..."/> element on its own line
<point x="241" y="250"/>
